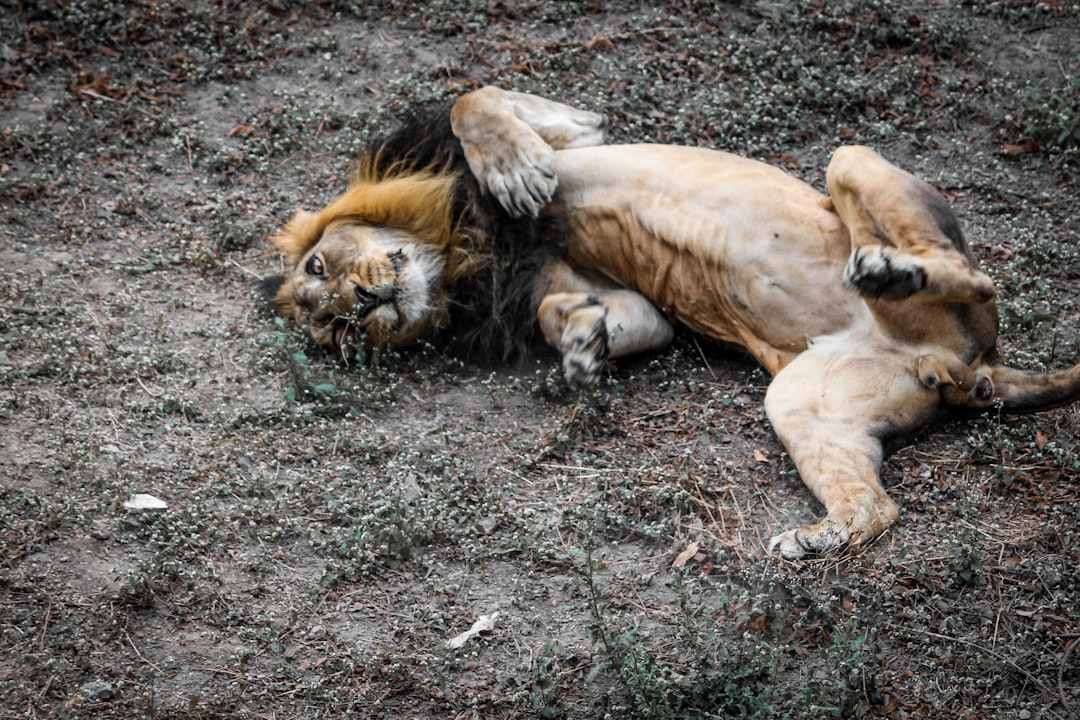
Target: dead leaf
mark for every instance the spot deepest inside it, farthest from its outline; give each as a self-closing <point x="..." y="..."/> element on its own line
<point x="790" y="162"/>
<point x="687" y="553"/>
<point x="761" y="456"/>
<point x="1019" y="149"/>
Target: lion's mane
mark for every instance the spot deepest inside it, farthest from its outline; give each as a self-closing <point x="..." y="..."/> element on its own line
<point x="417" y="180"/>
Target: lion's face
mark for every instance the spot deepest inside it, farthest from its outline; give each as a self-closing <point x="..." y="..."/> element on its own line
<point x="362" y="281"/>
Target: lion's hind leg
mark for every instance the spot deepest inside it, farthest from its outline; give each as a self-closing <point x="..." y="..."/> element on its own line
<point x="840" y="463"/>
<point x="831" y="407"/>
<point x="561" y="126"/>
<point x="905" y="239"/>
<point x="510" y="138"/>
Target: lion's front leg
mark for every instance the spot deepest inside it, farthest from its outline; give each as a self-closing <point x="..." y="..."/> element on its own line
<point x="588" y="319"/>
<point x="510" y="140"/>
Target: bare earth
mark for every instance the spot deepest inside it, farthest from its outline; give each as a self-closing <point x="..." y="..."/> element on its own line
<point x="330" y="526"/>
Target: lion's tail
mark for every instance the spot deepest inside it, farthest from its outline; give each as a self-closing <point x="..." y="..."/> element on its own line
<point x="1021" y="391"/>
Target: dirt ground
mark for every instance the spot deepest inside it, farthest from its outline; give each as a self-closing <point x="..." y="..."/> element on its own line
<point x="331" y="526"/>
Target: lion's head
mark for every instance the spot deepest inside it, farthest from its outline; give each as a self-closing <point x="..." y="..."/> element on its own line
<point x="361" y="280"/>
<point x="416" y="248"/>
<point x="374" y="263"/>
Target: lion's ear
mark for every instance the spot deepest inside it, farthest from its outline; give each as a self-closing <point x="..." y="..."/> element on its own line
<point x="298" y="235"/>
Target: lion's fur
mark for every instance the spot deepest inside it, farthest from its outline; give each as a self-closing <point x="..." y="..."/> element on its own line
<point x="421" y="203"/>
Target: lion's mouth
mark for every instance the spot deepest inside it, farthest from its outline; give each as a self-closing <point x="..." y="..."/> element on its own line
<point x="350" y="325"/>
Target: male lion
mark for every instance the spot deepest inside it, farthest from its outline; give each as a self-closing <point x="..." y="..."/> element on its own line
<point x="866" y="306"/>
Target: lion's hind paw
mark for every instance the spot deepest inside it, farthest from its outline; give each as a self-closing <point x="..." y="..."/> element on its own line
<point x="573" y="129"/>
<point x="800" y="542"/>
<point x="787" y="543"/>
<point x="883" y="272"/>
<point x="861" y="520"/>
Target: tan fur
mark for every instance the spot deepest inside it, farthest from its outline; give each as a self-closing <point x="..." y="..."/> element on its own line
<point x="866" y="305"/>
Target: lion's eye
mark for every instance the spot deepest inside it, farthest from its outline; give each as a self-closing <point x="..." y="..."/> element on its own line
<point x="315" y="266"/>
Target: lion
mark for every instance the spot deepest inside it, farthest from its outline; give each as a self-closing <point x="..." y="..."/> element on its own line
<point x="505" y="217"/>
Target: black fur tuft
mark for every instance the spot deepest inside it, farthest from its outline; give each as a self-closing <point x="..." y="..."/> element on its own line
<point x="492" y="310"/>
<point x="269" y="286"/>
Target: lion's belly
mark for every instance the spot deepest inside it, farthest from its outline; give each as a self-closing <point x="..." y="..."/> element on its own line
<point x="731" y="248"/>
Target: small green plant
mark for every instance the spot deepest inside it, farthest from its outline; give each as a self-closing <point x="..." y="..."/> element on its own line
<point x="744" y="654"/>
<point x="379" y="534"/>
<point x="966" y="565"/>
<point x="543" y="699"/>
<point x="1051" y="114"/>
<point x="328" y="386"/>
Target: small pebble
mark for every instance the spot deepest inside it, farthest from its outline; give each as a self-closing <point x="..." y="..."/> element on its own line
<point x="97" y="691"/>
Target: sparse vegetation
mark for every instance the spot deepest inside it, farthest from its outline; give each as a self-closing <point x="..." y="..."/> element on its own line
<point x="332" y="522"/>
<point x="1051" y="114"/>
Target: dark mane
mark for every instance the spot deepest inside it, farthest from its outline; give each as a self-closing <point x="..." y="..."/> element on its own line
<point x="491" y="308"/>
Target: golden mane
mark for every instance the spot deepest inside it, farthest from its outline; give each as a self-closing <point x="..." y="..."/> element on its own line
<point x="419" y="202"/>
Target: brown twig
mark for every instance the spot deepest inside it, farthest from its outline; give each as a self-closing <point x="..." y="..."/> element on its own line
<point x="20" y="310"/>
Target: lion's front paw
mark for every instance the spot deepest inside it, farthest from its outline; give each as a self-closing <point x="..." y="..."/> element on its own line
<point x="883" y="272"/>
<point x="518" y="170"/>
<point x="584" y="344"/>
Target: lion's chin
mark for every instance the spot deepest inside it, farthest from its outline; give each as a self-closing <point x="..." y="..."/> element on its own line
<point x="389" y="329"/>
<point x="380" y="328"/>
